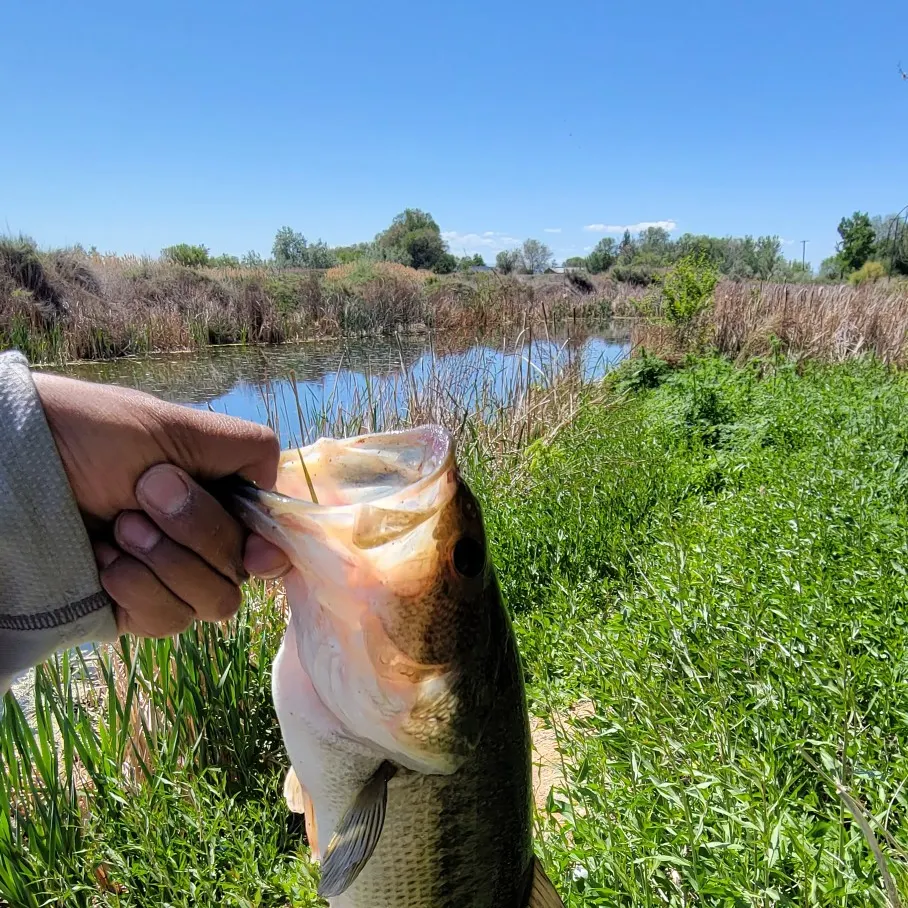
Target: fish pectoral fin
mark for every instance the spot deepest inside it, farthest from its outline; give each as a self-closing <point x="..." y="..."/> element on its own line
<point x="298" y="801"/>
<point x="542" y="892"/>
<point x="294" y="793"/>
<point x="356" y="835"/>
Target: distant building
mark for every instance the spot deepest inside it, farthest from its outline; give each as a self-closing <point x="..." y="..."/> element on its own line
<point x="481" y="268"/>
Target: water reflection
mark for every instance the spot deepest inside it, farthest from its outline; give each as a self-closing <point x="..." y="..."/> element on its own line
<point x="337" y="379"/>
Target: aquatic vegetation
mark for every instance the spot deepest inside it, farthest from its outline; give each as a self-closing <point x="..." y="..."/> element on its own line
<point x="65" y="305"/>
<point x="706" y="565"/>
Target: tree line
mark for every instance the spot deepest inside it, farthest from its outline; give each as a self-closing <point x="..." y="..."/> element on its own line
<point x="867" y="248"/>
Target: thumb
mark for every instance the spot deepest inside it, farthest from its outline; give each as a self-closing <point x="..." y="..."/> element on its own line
<point x="211" y="445"/>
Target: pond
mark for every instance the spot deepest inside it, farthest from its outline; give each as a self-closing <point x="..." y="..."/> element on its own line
<point x="304" y="389"/>
<point x="300" y="389"/>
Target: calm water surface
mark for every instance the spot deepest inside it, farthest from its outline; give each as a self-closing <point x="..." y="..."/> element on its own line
<point x="327" y="382"/>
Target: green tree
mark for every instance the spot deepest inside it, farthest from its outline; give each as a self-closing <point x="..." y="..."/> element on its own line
<point x="654" y="247"/>
<point x="767" y="256"/>
<point x="345" y="255"/>
<point x="186" y="255"/>
<point x="293" y="250"/>
<point x="507" y="261"/>
<point x="416" y="240"/>
<point x="252" y="260"/>
<point x="319" y="255"/>
<point x="858" y="242"/>
<point x="576" y="261"/>
<point x="891" y="237"/>
<point x="289" y="249"/>
<point x="535" y="256"/>
<point x="626" y="248"/>
<point x="832" y="269"/>
<point x="603" y="256"/>
<point x="445" y="264"/>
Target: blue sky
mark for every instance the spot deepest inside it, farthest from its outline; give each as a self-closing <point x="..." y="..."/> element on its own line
<point x="133" y="126"/>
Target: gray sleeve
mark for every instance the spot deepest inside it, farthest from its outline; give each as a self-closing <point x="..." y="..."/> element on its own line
<point x="50" y="595"/>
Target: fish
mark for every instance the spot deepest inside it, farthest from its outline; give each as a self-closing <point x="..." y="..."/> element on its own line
<point x="398" y="684"/>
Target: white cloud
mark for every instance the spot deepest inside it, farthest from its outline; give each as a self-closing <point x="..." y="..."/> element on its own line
<point x="488" y="241"/>
<point x="633" y="228"/>
<point x="552" y="230"/>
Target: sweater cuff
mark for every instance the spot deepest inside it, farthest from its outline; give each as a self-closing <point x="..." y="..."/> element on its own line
<point x="51" y="597"/>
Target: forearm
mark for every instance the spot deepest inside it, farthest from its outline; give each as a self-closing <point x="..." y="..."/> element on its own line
<point x="51" y="596"/>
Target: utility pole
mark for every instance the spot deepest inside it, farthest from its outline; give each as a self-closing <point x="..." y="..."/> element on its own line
<point x="804" y="254"/>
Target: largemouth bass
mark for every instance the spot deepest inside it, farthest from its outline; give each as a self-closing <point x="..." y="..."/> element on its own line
<point x="398" y="684"/>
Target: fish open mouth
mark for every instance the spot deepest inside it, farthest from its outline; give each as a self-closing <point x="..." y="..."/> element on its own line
<point x="376" y="485"/>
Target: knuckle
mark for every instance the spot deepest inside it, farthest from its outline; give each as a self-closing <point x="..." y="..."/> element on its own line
<point x="228" y="602"/>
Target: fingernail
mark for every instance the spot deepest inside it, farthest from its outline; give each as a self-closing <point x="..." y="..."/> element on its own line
<point x="264" y="560"/>
<point x="137" y="533"/>
<point x="164" y="490"/>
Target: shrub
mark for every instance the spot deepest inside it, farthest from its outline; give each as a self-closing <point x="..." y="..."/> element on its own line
<point x="868" y="273"/>
<point x="224" y="261"/>
<point x="688" y="288"/>
<point x="581" y="282"/>
<point x="639" y="275"/>
<point x="22" y="265"/>
<point x="186" y="255"/>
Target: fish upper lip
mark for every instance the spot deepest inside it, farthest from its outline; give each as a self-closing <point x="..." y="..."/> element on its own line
<point x="439" y="442"/>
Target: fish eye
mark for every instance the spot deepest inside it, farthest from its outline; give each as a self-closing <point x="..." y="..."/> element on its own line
<point x="469" y="557"/>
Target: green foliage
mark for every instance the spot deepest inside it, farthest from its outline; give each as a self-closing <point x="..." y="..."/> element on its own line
<point x="186" y="255"/>
<point x="710" y="589"/>
<point x="603" y="256"/>
<point x="467" y="262"/>
<point x="507" y="261"/>
<point x="639" y="275"/>
<point x="345" y="255"/>
<point x="224" y="261"/>
<point x="415" y="239"/>
<point x="868" y="273"/>
<point x="891" y="239"/>
<point x="287" y="290"/>
<point x="292" y="250"/>
<point x="252" y="260"/>
<point x="640" y="373"/>
<point x="445" y="264"/>
<point x="687" y="289"/>
<point x="832" y="269"/>
<point x="707" y="573"/>
<point x="184" y="805"/>
<point x="535" y="257"/>
<point x="576" y="261"/>
<point x="858" y="241"/>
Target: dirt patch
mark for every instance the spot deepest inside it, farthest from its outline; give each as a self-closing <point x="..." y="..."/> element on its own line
<point x="548" y="772"/>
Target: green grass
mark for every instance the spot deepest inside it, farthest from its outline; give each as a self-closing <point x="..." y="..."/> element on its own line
<point x="716" y="560"/>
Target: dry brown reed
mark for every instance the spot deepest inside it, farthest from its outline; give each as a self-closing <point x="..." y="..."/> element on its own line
<point x="828" y="322"/>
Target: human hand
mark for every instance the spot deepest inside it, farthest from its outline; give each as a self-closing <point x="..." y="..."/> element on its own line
<point x="168" y="553"/>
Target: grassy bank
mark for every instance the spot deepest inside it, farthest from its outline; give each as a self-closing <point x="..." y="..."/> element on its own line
<point x="66" y="305"/>
<point x="707" y="569"/>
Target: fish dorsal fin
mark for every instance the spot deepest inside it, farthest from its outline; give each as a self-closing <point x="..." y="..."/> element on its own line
<point x="356" y="835"/>
<point x="542" y="892"/>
